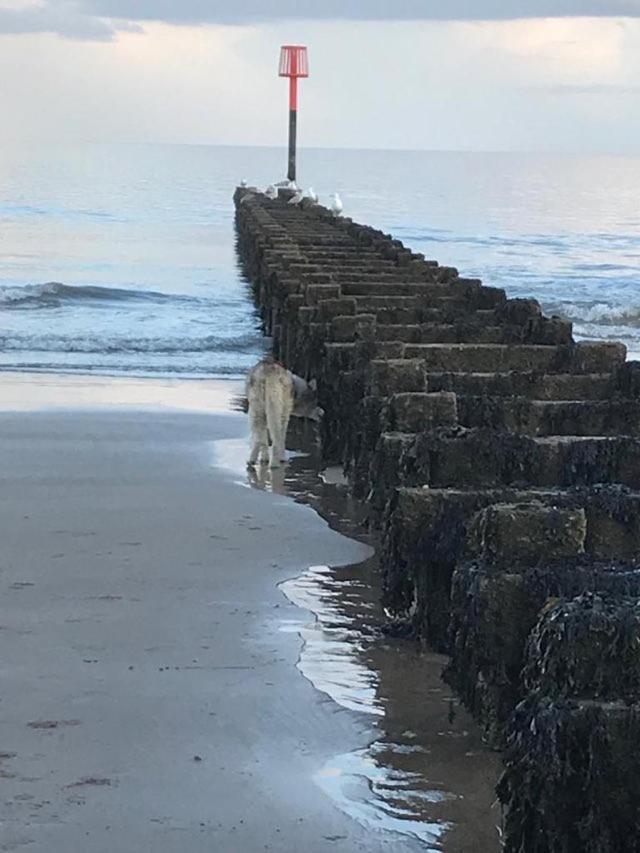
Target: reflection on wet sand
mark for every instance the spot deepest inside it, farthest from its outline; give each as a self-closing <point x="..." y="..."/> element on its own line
<point x="267" y="479"/>
<point x="426" y="773"/>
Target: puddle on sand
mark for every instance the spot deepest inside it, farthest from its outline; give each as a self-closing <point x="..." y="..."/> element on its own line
<point x="330" y="642"/>
<point x="426" y="773"/>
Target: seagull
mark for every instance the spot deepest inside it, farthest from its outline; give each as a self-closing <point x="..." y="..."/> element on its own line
<point x="297" y="197"/>
<point x="271" y="192"/>
<point x="311" y="194"/>
<point x="336" y="204"/>
<point x="243" y="183"/>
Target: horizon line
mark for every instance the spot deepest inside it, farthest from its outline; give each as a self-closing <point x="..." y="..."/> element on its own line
<point x="302" y="148"/>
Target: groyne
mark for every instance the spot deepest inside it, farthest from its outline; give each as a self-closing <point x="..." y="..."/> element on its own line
<point x="500" y="461"/>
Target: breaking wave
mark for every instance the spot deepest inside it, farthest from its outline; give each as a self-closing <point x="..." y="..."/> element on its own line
<point x="93" y="328"/>
<point x="54" y="293"/>
<point x="118" y="344"/>
<point x="598" y="313"/>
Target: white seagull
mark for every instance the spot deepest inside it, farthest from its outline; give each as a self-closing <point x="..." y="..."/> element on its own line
<point x="311" y="194"/>
<point x="336" y="204"/>
<point x="271" y="192"/>
<point x="243" y="183"/>
<point x="297" y="197"/>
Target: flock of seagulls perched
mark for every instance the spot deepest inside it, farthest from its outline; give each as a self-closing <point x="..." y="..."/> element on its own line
<point x="299" y="195"/>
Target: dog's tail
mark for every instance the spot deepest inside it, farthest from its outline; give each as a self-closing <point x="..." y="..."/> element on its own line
<point x="240" y="404"/>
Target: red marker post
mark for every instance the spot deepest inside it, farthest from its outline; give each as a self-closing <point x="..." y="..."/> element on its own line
<point x="293" y="64"/>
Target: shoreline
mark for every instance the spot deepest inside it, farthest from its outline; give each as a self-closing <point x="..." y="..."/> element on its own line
<point x="66" y="391"/>
<point x="121" y="497"/>
<point x="150" y="693"/>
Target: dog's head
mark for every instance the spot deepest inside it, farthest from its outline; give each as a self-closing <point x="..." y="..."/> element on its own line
<point x="306" y="402"/>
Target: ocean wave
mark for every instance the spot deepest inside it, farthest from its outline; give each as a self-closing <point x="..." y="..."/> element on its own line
<point x="122" y="345"/>
<point x="55" y="293"/>
<point x="598" y="313"/>
<point x="143" y="369"/>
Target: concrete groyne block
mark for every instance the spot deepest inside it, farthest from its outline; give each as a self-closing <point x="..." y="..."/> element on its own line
<point x="588" y="646"/>
<point x="570" y="784"/>
<point x="504" y="535"/>
<point x="386" y="376"/>
<point x="547" y="418"/>
<point x="532" y="384"/>
<point x="486" y="458"/>
<point x="495" y="609"/>
<point x="415" y="411"/>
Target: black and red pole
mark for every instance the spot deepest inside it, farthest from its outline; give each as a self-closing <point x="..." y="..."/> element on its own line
<point x="293" y="64"/>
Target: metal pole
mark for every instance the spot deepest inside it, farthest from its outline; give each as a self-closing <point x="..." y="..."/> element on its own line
<point x="293" y="118"/>
<point x="291" y="173"/>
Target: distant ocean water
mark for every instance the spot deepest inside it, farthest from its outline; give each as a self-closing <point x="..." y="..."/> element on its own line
<point x="121" y="259"/>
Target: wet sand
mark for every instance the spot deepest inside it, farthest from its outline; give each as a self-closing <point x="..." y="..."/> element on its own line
<point x="151" y="698"/>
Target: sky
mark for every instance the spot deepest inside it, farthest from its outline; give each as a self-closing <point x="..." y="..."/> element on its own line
<point x="548" y="75"/>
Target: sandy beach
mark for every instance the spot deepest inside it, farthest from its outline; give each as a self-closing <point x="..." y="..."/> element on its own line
<point x="150" y="700"/>
<point x="150" y="697"/>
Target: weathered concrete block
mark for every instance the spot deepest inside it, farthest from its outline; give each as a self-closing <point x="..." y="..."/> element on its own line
<point x="627" y="379"/>
<point x="387" y="470"/>
<point x="570" y="784"/>
<point x="340" y="398"/>
<point x="423" y="536"/>
<point x="530" y="384"/>
<point x="613" y="521"/>
<point x="352" y="328"/>
<point x="597" y="357"/>
<point x="526" y="534"/>
<point x="316" y="293"/>
<point x="489" y="297"/>
<point x="338" y="358"/>
<point x="518" y="311"/>
<point x="369" y="350"/>
<point x="476" y="458"/>
<point x="549" y="330"/>
<point x="386" y="377"/>
<point x="413" y="412"/>
<point x="586" y="647"/>
<point x="550" y="417"/>
<point x="492" y="616"/>
<point x="327" y="309"/>
<point x="482" y="358"/>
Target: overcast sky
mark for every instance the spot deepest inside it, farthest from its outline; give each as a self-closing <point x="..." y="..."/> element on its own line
<point x="547" y="75"/>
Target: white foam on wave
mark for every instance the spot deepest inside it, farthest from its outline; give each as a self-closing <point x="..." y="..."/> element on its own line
<point x="53" y="293"/>
<point x="120" y="344"/>
<point x="599" y="313"/>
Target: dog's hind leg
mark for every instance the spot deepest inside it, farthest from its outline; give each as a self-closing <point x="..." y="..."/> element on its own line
<point x="278" y="423"/>
<point x="259" y="438"/>
<point x="284" y="426"/>
<point x="278" y="411"/>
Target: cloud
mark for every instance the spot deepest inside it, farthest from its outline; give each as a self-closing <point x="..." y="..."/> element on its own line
<point x="261" y="11"/>
<point x="101" y="20"/>
<point x="65" y="18"/>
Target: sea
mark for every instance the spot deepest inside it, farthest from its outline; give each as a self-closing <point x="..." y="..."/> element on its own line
<point x="121" y="259"/>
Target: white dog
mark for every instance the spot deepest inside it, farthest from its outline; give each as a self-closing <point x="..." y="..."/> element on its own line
<point x="274" y="395"/>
